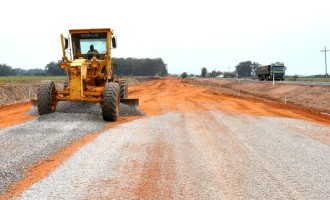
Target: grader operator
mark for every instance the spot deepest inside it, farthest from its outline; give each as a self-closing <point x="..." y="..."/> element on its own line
<point x="89" y="74"/>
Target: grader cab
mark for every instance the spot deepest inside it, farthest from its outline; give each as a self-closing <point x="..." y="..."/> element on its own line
<point x="88" y="65"/>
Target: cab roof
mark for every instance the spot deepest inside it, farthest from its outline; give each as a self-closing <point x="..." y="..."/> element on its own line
<point x="96" y="30"/>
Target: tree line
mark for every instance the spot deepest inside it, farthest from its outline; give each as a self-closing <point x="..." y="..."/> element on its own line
<point x="139" y="67"/>
<point x="121" y="66"/>
<point x="243" y="69"/>
<point x="51" y="69"/>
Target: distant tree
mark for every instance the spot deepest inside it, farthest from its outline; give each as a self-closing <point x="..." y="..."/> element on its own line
<point x="218" y="73"/>
<point x="36" y="72"/>
<point x="229" y="74"/>
<point x="244" y="69"/>
<point x="255" y="65"/>
<point x="204" y="72"/>
<point x="139" y="67"/>
<point x="318" y="76"/>
<point x="54" y="69"/>
<point x="213" y="73"/>
<point x="295" y="77"/>
<point x="6" y="70"/>
<point x="115" y="69"/>
<point x="184" y="75"/>
<point x="19" y="72"/>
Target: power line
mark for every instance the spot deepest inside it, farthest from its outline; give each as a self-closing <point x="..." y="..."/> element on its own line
<point x="325" y="57"/>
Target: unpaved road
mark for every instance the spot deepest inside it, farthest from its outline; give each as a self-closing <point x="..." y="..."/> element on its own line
<point x="192" y="143"/>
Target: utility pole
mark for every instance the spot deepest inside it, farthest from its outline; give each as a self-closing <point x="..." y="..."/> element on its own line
<point x="325" y="57"/>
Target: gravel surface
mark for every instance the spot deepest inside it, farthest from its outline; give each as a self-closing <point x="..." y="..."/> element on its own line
<point x="26" y="144"/>
<point x="89" y="108"/>
<point x="196" y="155"/>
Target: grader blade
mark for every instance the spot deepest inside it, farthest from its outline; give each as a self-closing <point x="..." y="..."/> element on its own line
<point x="133" y="103"/>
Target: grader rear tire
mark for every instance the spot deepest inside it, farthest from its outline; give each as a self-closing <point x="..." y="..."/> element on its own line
<point x="111" y="102"/>
<point x="46" y="97"/>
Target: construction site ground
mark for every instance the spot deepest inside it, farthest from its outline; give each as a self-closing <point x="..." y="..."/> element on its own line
<point x="195" y="139"/>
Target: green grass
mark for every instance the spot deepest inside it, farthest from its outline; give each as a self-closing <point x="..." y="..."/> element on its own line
<point x="30" y="78"/>
<point x="307" y="79"/>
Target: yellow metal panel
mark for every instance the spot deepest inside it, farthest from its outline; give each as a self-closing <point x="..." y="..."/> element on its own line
<point x="75" y="83"/>
<point x="95" y="94"/>
<point x="75" y="79"/>
<point x="63" y="92"/>
<point x="77" y="62"/>
<point x="78" y="69"/>
<point x="92" y="99"/>
<point x="98" y="30"/>
<point x="83" y="72"/>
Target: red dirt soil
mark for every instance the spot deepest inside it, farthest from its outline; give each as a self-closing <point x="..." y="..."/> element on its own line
<point x="14" y="114"/>
<point x="157" y="97"/>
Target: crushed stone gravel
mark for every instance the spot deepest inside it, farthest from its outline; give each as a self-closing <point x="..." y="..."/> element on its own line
<point x="196" y="155"/>
<point x="89" y="108"/>
<point x="25" y="144"/>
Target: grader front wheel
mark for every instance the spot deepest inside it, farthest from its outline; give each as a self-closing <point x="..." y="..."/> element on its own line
<point x="111" y="102"/>
<point x="46" y="102"/>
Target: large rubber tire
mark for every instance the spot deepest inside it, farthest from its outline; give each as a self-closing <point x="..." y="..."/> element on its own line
<point x="46" y="97"/>
<point x="123" y="89"/>
<point x="111" y="102"/>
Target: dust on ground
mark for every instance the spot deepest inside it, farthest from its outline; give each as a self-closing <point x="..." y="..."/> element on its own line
<point x="311" y="97"/>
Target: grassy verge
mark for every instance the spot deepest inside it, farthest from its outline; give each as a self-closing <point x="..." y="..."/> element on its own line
<point x="307" y="79"/>
<point x="30" y="78"/>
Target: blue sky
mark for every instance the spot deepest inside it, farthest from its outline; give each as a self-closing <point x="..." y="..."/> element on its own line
<point x="187" y="35"/>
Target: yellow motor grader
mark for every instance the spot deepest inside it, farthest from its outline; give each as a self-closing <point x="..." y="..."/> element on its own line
<point x="88" y="65"/>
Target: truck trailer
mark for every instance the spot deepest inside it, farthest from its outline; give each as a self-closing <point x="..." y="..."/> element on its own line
<point x="274" y="71"/>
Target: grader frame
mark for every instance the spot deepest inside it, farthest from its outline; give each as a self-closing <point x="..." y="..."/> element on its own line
<point x="89" y="74"/>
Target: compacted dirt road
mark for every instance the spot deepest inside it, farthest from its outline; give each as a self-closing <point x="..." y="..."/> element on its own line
<point x="191" y="143"/>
